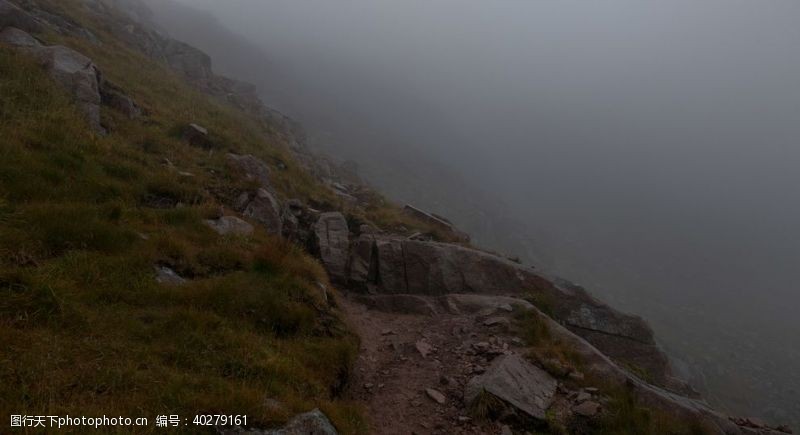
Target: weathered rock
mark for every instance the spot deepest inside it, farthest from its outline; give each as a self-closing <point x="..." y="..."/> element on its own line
<point x="252" y="167"/>
<point x="230" y="225"/>
<point x="394" y="265"/>
<point x="266" y="210"/>
<point x="399" y="304"/>
<point x="74" y="71"/>
<point x="17" y="38"/>
<point x="309" y="423"/>
<point x="436" y="396"/>
<point x="167" y="276"/>
<point x="13" y="16"/>
<point x="112" y="96"/>
<point x="333" y="244"/>
<point x="436" y="221"/>
<point x="587" y="409"/>
<point x="513" y="380"/>
<point x="197" y="136"/>
<point x="423" y="347"/>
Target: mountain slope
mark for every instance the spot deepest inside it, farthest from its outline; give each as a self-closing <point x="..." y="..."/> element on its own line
<point x="158" y="225"/>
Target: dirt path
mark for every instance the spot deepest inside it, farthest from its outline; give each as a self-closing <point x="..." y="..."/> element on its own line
<point x="403" y="356"/>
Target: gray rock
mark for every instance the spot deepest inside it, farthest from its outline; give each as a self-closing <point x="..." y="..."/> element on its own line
<point x="13" y="16"/>
<point x="516" y="382"/>
<point x="333" y="243"/>
<point x="436" y="396"/>
<point x="587" y="409"/>
<point x="113" y="97"/>
<point x="167" y="276"/>
<point x="310" y="423"/>
<point x="17" y="38"/>
<point x="398" y="304"/>
<point x="230" y="225"/>
<point x="395" y="265"/>
<point x="266" y="210"/>
<point x="252" y="167"/>
<point x="74" y="71"/>
<point x="196" y="135"/>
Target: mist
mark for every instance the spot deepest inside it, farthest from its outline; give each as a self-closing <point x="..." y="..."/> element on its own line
<point x="646" y="150"/>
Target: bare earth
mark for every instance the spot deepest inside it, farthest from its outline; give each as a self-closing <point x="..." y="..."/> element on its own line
<point x="404" y="355"/>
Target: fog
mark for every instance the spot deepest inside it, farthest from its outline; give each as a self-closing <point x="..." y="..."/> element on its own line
<point x="648" y="150"/>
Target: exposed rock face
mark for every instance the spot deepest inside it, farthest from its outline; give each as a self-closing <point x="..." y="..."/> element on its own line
<point x="15" y="37"/>
<point x="513" y="380"/>
<point x="13" y="16"/>
<point x="333" y="244"/>
<point x="392" y="265"/>
<point x="74" y="71"/>
<point x="230" y="225"/>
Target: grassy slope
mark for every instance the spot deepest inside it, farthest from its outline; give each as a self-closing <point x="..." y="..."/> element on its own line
<point x="84" y="328"/>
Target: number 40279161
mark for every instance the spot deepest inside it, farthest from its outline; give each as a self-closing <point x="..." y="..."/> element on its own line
<point x="220" y="420"/>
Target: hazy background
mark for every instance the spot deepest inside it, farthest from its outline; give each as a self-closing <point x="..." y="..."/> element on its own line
<point x="646" y="149"/>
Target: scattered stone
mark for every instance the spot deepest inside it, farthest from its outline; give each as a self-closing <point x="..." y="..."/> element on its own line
<point x="423" y="347"/>
<point x="496" y="321"/>
<point x="436" y="396"/>
<point x="576" y="376"/>
<point x="505" y="430"/>
<point x="167" y="276"/>
<point x="587" y="409"/>
<point x="197" y="136"/>
<point x="387" y="332"/>
<point x="481" y="347"/>
<point x="230" y="225"/>
<point x="582" y="397"/>
<point x="516" y="382"/>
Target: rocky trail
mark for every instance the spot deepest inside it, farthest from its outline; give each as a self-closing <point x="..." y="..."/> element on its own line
<point x="413" y="369"/>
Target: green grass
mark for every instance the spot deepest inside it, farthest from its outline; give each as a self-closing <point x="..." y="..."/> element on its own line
<point x="84" y="327"/>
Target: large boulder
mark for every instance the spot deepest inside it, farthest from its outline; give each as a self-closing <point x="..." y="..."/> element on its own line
<point x="265" y="209"/>
<point x="252" y="167"/>
<point x="74" y="71"/>
<point x="526" y="388"/>
<point x="333" y="243"/>
<point x="13" y="16"/>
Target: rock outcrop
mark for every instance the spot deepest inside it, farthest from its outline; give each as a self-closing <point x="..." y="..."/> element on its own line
<point x="393" y="265"/>
<point x="524" y="387"/>
<point x="12" y="16"/>
<point x="333" y="244"/>
<point x="74" y="71"/>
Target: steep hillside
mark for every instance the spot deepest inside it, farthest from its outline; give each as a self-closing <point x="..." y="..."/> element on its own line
<point x="159" y="228"/>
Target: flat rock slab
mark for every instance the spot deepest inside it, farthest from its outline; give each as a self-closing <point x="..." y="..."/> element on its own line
<point x="518" y="383"/>
<point x="230" y="225"/>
